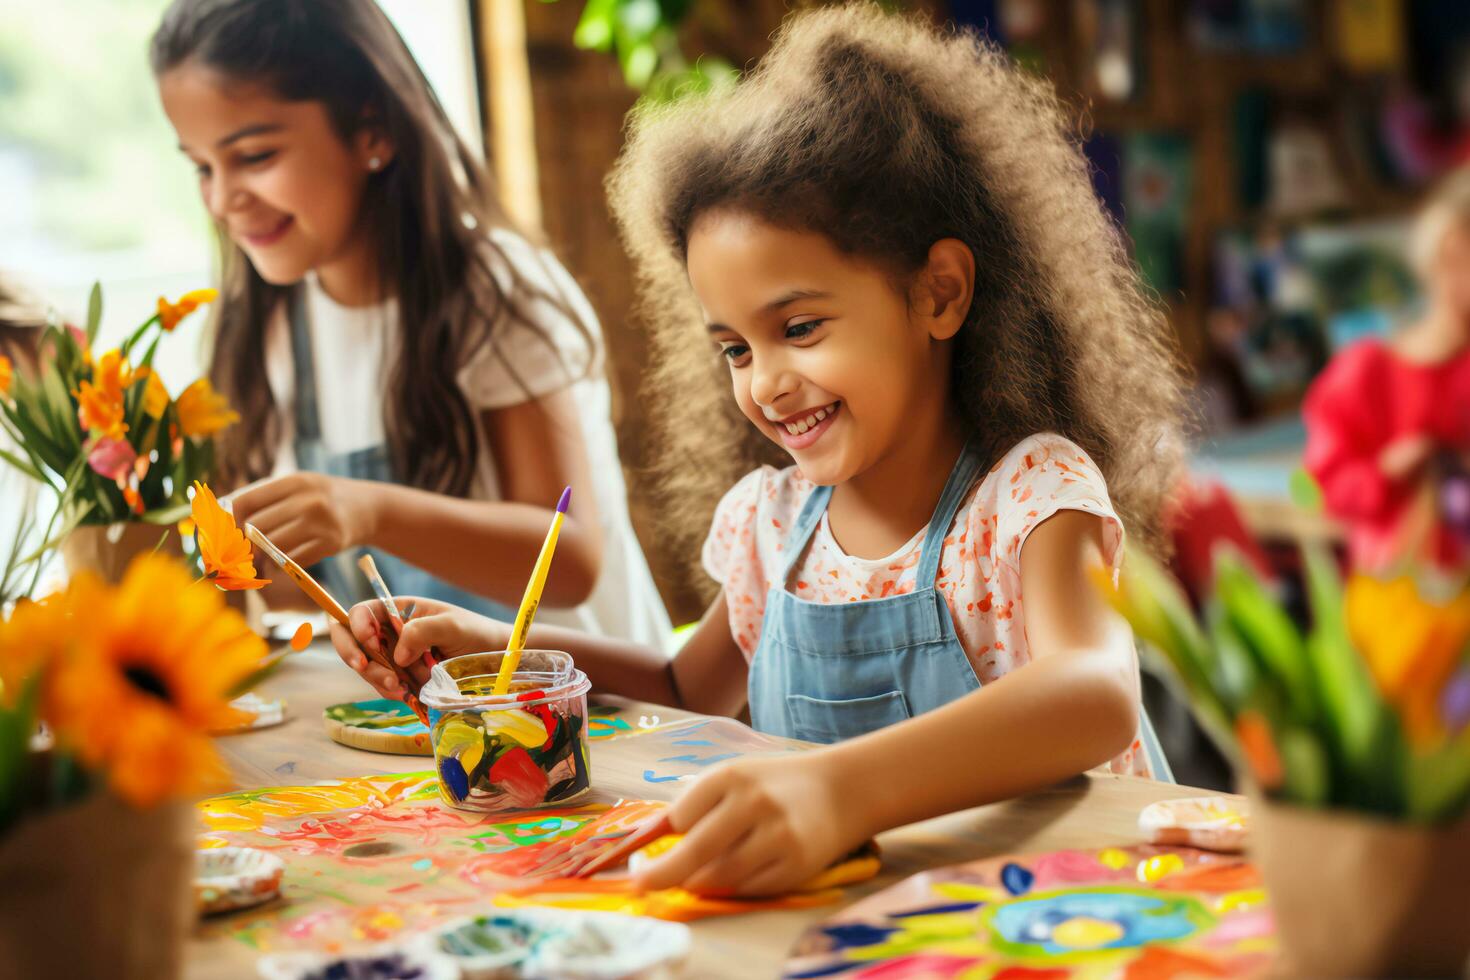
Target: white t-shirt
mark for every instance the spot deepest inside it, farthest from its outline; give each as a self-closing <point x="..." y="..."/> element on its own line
<point x="979" y="573"/>
<point x="515" y="366"/>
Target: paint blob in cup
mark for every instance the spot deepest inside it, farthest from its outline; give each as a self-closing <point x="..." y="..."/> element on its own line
<point x="516" y="751"/>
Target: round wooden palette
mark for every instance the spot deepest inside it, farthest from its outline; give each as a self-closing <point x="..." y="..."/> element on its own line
<point x="378" y="725"/>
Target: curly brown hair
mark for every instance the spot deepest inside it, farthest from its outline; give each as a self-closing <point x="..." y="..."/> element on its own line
<point x="886" y="134"/>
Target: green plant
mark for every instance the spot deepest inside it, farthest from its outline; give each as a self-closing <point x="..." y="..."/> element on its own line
<point x="643" y="35"/>
<point x="1368" y="709"/>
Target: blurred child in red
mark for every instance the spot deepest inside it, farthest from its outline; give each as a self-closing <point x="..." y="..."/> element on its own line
<point x="1388" y="421"/>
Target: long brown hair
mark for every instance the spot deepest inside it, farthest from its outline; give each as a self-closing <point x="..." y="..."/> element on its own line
<point x="886" y="135"/>
<point x="430" y="211"/>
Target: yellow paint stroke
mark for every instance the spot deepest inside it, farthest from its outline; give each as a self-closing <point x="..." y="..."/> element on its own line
<point x="254" y="809"/>
<point x="1113" y="859"/>
<point x="1231" y="901"/>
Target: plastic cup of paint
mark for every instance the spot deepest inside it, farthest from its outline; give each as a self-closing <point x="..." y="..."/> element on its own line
<point x="515" y="751"/>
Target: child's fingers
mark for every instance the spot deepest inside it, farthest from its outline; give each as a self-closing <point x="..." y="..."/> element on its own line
<point x="775" y="878"/>
<point x="346" y="646"/>
<point x="711" y="837"/>
<point x="365" y="628"/>
<point x="442" y="630"/>
<point x="352" y="655"/>
<point x="731" y="869"/>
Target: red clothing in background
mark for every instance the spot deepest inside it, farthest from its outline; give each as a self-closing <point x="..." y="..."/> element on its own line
<point x="1366" y="399"/>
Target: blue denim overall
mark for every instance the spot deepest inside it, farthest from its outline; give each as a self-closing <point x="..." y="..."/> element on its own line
<point x="824" y="672"/>
<point x="339" y="573"/>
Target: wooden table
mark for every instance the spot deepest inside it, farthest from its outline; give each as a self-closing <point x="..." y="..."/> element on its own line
<point x="1087" y="812"/>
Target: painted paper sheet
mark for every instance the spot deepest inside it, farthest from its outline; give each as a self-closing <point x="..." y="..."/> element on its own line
<point x="1134" y="913"/>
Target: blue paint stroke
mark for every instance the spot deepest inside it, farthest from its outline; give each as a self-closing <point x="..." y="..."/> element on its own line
<point x="695" y="760"/>
<point x="1143" y="918"/>
<point x="937" y="910"/>
<point x="286" y="768"/>
<point x="829" y="970"/>
<point x="849" y="934"/>
<point x="692" y="741"/>
<point x="650" y="777"/>
<point x="1018" y="880"/>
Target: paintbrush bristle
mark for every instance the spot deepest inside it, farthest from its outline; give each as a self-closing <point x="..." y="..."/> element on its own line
<point x="265" y="544"/>
<point x="368" y="566"/>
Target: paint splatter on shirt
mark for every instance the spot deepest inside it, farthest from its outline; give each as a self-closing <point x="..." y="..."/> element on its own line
<point x="980" y="563"/>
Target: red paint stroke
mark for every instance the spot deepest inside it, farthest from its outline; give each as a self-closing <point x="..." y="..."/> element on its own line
<point x="940" y="966"/>
<point x="1162" y="963"/>
<point x="522" y="781"/>
<point x="405" y="888"/>
<point x="335" y="836"/>
<point x="1028" y="973"/>
<point x="542" y="711"/>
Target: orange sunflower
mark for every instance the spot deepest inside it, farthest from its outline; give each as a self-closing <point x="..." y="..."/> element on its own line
<point x="169" y="314"/>
<point x="32" y="638"/>
<point x="228" y="561"/>
<point x="204" y="411"/>
<point x="151" y="674"/>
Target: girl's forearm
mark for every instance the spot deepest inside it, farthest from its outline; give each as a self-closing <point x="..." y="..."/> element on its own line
<point x="1054" y="718"/>
<point x="485" y="547"/>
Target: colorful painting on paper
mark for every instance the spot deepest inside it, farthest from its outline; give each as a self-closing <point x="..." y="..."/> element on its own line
<point x="371" y="858"/>
<point x="1135" y="913"/>
<point x="682" y="749"/>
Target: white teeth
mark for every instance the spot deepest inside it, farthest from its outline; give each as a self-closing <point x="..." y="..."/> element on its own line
<point x="810" y="422"/>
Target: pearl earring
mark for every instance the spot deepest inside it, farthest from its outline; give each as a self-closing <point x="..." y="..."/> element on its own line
<point x="374" y="164"/>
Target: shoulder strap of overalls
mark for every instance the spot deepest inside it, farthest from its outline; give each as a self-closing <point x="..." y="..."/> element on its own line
<point x="961" y="478"/>
<point x="801" y="532"/>
<point x="308" y="424"/>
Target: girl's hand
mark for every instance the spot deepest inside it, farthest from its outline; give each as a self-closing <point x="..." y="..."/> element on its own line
<point x="454" y="631"/>
<point x="756" y="827"/>
<point x="307" y="515"/>
<point x="1403" y="458"/>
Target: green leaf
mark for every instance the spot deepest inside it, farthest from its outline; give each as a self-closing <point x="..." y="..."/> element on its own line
<point x="594" y="30"/>
<point x="1345" y="689"/>
<point x="1267" y="632"/>
<point x="33" y="440"/>
<point x="1437" y="784"/>
<point x="24" y="467"/>
<point x="1305" y="491"/>
<point x="258" y="676"/>
<point x="1307" y="772"/>
<point x="171" y="514"/>
<point x="94" y="312"/>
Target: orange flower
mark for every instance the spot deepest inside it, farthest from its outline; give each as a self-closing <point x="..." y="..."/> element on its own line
<point x="133" y="499"/>
<point x="155" y="395"/>
<point x="112" y="374"/>
<point x="169" y="314"/>
<point x="100" y="412"/>
<point x="1253" y="733"/>
<point x="1411" y="646"/>
<point x="228" y="561"/>
<point x="151" y="672"/>
<point x="203" y="411"/>
<point x="7" y="374"/>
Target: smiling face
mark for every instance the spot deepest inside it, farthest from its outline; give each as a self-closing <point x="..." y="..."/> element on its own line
<point x="277" y="176"/>
<point x="827" y="357"/>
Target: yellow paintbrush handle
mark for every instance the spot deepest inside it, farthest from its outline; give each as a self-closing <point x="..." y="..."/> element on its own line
<point x="527" y="612"/>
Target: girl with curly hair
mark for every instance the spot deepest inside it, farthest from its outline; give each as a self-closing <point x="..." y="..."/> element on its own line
<point x="950" y="394"/>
